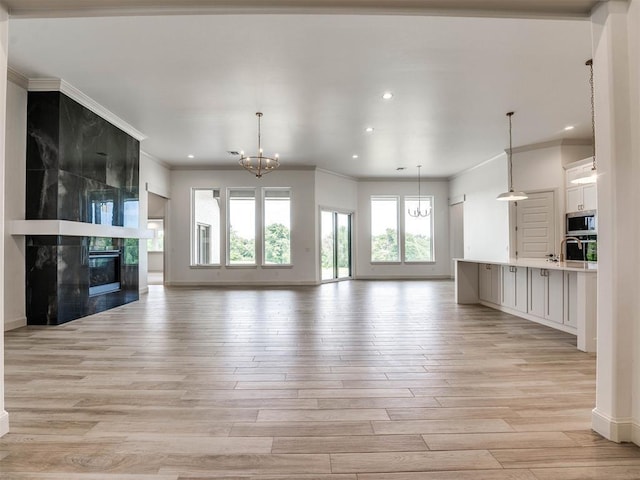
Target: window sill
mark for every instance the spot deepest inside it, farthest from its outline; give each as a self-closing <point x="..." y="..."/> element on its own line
<point x="287" y="265"/>
<point x="205" y="267"/>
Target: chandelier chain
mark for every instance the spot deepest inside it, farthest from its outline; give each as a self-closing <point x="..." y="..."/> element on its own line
<point x="589" y="63"/>
<point x="510" y="114"/>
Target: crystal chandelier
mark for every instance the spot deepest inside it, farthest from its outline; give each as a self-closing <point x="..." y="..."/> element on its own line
<point x="511" y="195"/>
<point x="418" y="212"/>
<point x="259" y="164"/>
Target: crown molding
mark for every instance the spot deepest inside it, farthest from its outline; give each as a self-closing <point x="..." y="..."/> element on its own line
<point x="59" y="85"/>
<point x="17" y="78"/>
<point x="553" y="143"/>
<point x="162" y="163"/>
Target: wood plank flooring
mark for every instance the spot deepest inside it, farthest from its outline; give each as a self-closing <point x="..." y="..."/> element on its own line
<point x="347" y="381"/>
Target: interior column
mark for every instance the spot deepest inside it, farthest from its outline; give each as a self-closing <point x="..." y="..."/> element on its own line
<point x="618" y="261"/>
<point x="4" y="45"/>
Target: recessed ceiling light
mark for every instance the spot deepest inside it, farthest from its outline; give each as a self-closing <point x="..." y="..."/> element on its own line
<point x="191" y="156"/>
<point x="368" y="129"/>
<point x="387" y="95"/>
<point x="569" y="127"/>
<point x="354" y="156"/>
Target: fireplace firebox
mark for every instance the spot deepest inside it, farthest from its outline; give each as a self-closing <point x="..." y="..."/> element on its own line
<point x="104" y="271"/>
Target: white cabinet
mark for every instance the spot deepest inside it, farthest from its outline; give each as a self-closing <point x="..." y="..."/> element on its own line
<point x="514" y="287"/>
<point x="490" y="283"/>
<point x="571" y="299"/>
<point x="580" y="197"/>
<point x="546" y="294"/>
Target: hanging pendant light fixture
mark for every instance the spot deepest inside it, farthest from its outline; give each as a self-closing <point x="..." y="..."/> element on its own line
<point x="259" y="164"/>
<point x="511" y="195"/>
<point x="418" y="212"/>
<point x="591" y="175"/>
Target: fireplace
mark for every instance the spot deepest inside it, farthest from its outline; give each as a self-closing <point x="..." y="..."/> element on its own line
<point x="104" y="272"/>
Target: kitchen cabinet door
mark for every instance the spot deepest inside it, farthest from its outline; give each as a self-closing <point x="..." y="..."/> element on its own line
<point x="514" y="287"/>
<point x="571" y="299"/>
<point x="590" y="197"/>
<point x="537" y="292"/>
<point x="555" y="296"/>
<point x="574" y="199"/>
<point x="490" y="283"/>
<point x="546" y="294"/>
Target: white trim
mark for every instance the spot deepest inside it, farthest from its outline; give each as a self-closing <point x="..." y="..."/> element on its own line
<point x="162" y="163"/>
<point x="527" y="316"/>
<point x="475" y="167"/>
<point x="17" y="78"/>
<point x="15" y="323"/>
<point x="59" y="85"/>
<point x="242" y="284"/>
<point x="616" y="430"/>
<point x="402" y="277"/>
<point x="552" y="143"/>
<point x="242" y="8"/>
<point x="74" y="229"/>
<point x="4" y="423"/>
<point x="143" y="291"/>
<point x="635" y="433"/>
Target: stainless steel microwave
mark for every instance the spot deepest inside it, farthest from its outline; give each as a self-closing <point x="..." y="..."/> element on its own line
<point x="582" y="223"/>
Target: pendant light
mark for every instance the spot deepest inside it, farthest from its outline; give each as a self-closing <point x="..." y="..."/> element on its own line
<point x="259" y="164"/>
<point x="591" y="175"/>
<point x="511" y="195"/>
<point x="418" y="212"/>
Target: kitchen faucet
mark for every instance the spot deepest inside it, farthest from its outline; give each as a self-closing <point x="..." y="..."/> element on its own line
<point x="563" y="242"/>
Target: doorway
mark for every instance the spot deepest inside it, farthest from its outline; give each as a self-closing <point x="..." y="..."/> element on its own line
<point x="155" y="246"/>
<point x="335" y="255"/>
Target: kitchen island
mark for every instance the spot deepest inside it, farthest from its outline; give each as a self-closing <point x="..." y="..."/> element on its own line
<point x="561" y="295"/>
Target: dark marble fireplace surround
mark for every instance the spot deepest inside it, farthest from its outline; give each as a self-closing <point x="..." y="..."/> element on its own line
<point x="80" y="168"/>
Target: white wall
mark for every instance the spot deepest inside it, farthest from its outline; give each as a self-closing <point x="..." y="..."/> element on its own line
<point x="303" y="225"/>
<point x="541" y="168"/>
<point x="441" y="267"/>
<point x="486" y="220"/>
<point x="14" y="207"/>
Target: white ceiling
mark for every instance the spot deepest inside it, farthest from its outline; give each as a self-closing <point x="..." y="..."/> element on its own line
<point x="192" y="84"/>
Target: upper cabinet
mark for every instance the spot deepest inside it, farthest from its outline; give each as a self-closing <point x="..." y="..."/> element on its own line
<point x="580" y="197"/>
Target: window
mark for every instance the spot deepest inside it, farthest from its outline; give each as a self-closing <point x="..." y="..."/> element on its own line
<point x="242" y="227"/>
<point x="204" y="244"/>
<point x="418" y="244"/>
<point x="156" y="244"/>
<point x="205" y="248"/>
<point x="384" y="229"/>
<point x="277" y="227"/>
<point x="415" y="234"/>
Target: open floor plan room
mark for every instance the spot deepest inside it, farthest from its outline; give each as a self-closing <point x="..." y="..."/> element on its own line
<point x="367" y="380"/>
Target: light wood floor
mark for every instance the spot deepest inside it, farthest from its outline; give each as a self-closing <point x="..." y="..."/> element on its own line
<point x="346" y="381"/>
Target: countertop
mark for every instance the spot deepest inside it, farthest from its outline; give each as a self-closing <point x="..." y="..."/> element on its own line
<point x="570" y="266"/>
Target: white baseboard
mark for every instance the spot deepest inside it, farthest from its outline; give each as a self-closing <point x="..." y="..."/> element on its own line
<point x="616" y="430"/>
<point x="241" y="284"/>
<point x="144" y="290"/>
<point x="4" y="423"/>
<point x="404" y="277"/>
<point x="15" y="323"/>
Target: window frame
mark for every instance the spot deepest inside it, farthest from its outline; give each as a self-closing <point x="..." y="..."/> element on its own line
<point x="263" y="227"/>
<point x="194" y="237"/>
<point x="423" y="198"/>
<point x="399" y="230"/>
<point x="257" y="231"/>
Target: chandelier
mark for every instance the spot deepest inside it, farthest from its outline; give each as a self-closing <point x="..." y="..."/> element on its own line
<point x="511" y="195"/>
<point x="592" y="175"/>
<point x="418" y="212"/>
<point x="259" y="164"/>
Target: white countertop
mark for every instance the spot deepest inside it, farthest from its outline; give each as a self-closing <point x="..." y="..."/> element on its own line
<point x="571" y="266"/>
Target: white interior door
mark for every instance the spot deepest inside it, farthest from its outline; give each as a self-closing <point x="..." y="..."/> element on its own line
<point x="536" y="226"/>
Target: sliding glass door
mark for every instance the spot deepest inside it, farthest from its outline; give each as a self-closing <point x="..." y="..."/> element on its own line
<point x="336" y="245"/>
